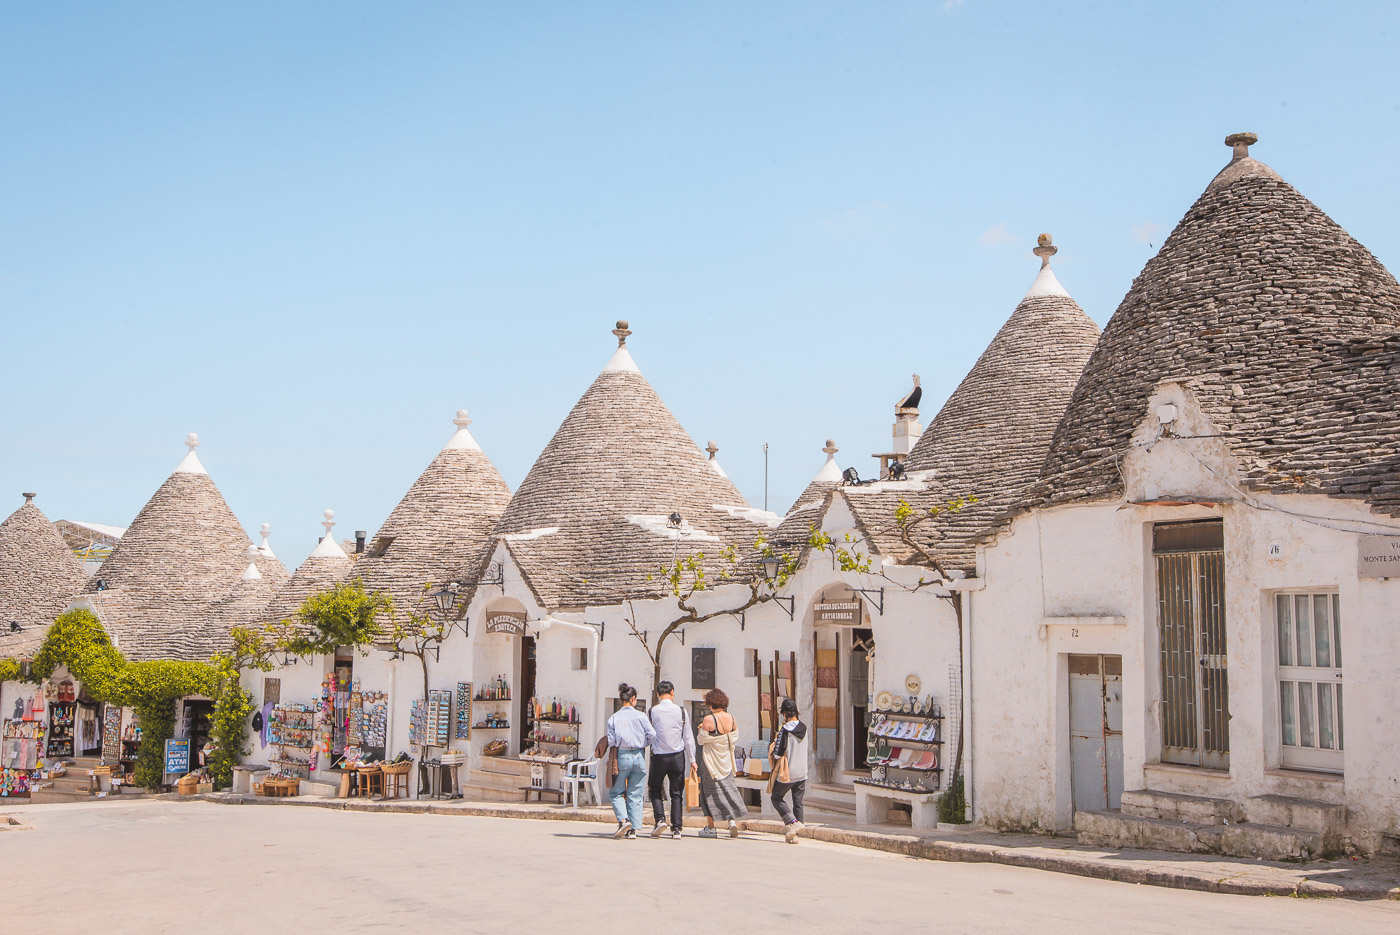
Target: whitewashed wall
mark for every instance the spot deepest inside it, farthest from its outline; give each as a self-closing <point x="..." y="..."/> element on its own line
<point x="1080" y="579"/>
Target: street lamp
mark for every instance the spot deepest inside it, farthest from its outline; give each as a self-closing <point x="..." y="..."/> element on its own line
<point x="446" y="597"/>
<point x="770" y="564"/>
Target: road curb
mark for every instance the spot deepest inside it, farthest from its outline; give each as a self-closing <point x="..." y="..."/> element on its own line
<point x="905" y="845"/>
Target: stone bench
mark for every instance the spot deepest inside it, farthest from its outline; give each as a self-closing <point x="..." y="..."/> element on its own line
<point x="873" y="805"/>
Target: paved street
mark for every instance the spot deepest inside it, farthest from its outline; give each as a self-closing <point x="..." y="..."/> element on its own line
<point x="181" y="867"/>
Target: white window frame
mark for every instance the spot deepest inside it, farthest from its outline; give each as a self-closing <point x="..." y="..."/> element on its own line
<point x="1308" y="698"/>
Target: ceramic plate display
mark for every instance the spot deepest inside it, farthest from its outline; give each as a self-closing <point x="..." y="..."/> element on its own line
<point x="883" y="701"/>
<point x="912" y="684"/>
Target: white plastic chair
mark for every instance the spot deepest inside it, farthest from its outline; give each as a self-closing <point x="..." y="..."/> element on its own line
<point x="582" y="774"/>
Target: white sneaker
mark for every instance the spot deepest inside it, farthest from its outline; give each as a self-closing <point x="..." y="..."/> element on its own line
<point x="791" y="832"/>
<point x="708" y="833"/>
<point x="733" y="829"/>
<point x="623" y="829"/>
<point x="657" y="829"/>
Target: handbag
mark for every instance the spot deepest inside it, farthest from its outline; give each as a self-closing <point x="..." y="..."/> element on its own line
<point x="692" y="791"/>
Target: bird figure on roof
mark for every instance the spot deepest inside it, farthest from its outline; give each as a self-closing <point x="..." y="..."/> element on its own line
<point x="912" y="400"/>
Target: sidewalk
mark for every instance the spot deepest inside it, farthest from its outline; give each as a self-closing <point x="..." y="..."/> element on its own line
<point x="1345" y="878"/>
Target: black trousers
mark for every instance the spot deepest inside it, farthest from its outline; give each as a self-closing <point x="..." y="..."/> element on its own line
<point x="667" y="766"/>
<point x="780" y="790"/>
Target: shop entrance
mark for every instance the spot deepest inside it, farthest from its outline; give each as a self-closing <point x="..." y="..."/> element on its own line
<point x="524" y="713"/>
<point x="861" y="659"/>
<point x="1096" y="731"/>
<point x="195" y="726"/>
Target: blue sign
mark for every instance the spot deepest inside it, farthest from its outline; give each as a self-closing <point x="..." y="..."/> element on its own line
<point x="177" y="755"/>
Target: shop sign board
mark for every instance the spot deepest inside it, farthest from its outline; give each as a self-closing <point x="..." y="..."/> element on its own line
<point x="702" y="668"/>
<point x="1378" y="557"/>
<point x="177" y="755"/>
<point x="847" y="612"/>
<point x="509" y="623"/>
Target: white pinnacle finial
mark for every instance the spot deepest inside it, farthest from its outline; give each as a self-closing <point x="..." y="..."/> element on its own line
<point x="461" y="421"/>
<point x="252" y="551"/>
<point x="713" y="449"/>
<point x="265" y="548"/>
<point x="192" y="441"/>
<point x="329" y="521"/>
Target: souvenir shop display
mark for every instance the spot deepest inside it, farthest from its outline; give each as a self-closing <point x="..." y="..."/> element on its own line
<point x="905" y="743"/>
<point x="21" y="756"/>
<point x="493" y="722"/>
<point x="552" y="731"/>
<point x="130" y="747"/>
<point x="464" y="711"/>
<point x="368" y="723"/>
<point x="429" y="723"/>
<point x="497" y="689"/>
<point x="292" y="729"/>
<point x="111" y="733"/>
<point x="61" y="723"/>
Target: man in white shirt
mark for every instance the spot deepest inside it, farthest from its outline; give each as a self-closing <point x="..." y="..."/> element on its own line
<point x="672" y="752"/>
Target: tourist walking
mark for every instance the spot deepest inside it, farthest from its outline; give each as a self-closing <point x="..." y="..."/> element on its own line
<point x="788" y="754"/>
<point x="629" y="734"/>
<point x="672" y="754"/>
<point x="719" y="794"/>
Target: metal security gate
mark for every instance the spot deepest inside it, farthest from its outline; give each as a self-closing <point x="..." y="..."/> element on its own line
<point x="1191" y="621"/>
<point x="1096" y="731"/>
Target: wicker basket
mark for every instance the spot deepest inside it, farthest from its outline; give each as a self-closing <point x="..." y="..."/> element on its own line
<point x="396" y="769"/>
<point x="494" y="748"/>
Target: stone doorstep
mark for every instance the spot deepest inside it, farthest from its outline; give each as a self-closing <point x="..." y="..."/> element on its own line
<point x="1291" y="812"/>
<point x="1263" y="842"/>
<point x="1126" y="868"/>
<point x="1112" y="829"/>
<point x="1177" y="806"/>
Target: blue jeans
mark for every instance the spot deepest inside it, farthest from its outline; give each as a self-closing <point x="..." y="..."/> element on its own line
<point x="629" y="788"/>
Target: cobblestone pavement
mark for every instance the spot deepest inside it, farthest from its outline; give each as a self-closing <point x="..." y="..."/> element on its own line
<point x="170" y="866"/>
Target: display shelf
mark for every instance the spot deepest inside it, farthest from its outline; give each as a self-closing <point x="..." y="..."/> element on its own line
<point x="479" y="698"/>
<point x="558" y="720"/>
<point x="490" y="727"/>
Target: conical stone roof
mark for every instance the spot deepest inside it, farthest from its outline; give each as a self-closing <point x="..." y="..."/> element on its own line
<point x="440" y="526"/>
<point x="38" y="576"/>
<point x="326" y="565"/>
<point x="990" y="438"/>
<point x="590" y="521"/>
<point x="1279" y="321"/>
<point x="793" y="533"/>
<point x="183" y="554"/>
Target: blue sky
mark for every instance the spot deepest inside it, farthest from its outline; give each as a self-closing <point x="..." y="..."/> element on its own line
<point x="310" y="232"/>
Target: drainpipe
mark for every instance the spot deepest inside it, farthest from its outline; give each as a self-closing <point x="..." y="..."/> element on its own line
<point x="967" y="706"/>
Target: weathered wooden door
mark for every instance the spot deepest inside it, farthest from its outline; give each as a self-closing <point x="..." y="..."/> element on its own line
<point x="1190" y="562"/>
<point x="1096" y="731"/>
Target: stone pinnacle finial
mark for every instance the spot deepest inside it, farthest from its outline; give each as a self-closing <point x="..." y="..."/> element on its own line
<point x="192" y="441"/>
<point x="461" y="421"/>
<point x="830" y="448"/>
<point x="29" y="497"/>
<point x="1045" y="249"/>
<point x="1241" y="142"/>
<point x="712" y="448"/>
<point x="916" y="379"/>
<point x="622" y="332"/>
<point x="329" y="521"/>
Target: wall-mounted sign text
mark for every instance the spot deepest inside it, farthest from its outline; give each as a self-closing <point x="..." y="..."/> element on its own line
<point x="509" y="623"/>
<point x="838" y="612"/>
<point x="1378" y="557"/>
